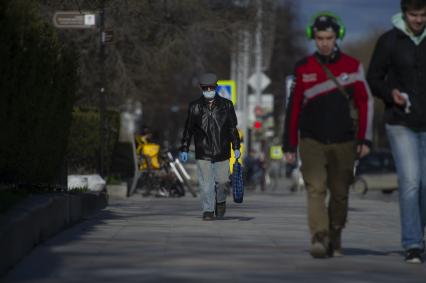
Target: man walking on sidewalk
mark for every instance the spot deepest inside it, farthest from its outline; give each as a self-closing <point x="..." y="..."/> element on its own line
<point x="397" y="75"/>
<point x="212" y="122"/>
<point x="331" y="107"/>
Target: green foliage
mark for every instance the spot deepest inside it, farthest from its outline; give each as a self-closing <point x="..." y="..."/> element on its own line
<point x="79" y="190"/>
<point x="84" y="140"/>
<point x="37" y="85"/>
<point x="114" y="180"/>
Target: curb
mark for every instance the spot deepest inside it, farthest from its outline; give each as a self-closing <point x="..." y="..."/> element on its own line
<point x="40" y="217"/>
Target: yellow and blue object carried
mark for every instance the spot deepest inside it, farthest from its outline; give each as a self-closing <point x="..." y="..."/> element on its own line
<point x="232" y="159"/>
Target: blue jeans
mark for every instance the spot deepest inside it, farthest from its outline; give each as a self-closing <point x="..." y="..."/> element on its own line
<point x="409" y="153"/>
<point x="213" y="178"/>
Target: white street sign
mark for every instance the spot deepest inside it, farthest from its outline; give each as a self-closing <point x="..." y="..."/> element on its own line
<point x="89" y="20"/>
<point x="264" y="81"/>
<point x="74" y="19"/>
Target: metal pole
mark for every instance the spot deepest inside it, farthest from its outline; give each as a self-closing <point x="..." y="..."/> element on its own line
<point x="245" y="66"/>
<point x="258" y="64"/>
<point x="102" y="89"/>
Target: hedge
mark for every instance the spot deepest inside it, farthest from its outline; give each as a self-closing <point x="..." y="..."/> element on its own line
<point x="38" y="81"/>
<point x="84" y="141"/>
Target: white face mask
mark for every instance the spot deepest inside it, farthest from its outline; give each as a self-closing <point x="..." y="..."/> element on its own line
<point x="209" y="94"/>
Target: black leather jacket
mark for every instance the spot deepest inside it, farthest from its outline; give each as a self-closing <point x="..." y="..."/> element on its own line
<point x="398" y="63"/>
<point x="213" y="128"/>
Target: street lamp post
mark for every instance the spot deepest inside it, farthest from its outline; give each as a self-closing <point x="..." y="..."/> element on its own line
<point x="102" y="93"/>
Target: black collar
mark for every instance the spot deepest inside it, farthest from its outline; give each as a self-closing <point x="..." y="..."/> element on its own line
<point x="329" y="59"/>
<point x="207" y="101"/>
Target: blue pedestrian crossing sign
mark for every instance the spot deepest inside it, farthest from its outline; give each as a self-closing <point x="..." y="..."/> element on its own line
<point x="227" y="89"/>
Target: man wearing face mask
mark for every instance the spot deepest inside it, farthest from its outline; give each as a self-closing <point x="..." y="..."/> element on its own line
<point x="331" y="108"/>
<point x="212" y="122"/>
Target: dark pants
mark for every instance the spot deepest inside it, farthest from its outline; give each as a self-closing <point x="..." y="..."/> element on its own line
<point x="327" y="166"/>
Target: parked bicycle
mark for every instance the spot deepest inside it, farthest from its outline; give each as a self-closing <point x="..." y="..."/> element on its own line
<point x="162" y="175"/>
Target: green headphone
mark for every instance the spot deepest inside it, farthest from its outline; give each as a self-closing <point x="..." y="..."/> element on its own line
<point x="310" y="28"/>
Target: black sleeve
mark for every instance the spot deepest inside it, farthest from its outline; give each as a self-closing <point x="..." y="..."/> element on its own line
<point x="233" y="122"/>
<point x="188" y="131"/>
<point x="289" y="102"/>
<point x="380" y="67"/>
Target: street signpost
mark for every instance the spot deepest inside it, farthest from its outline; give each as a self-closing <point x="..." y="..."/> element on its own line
<point x="264" y="81"/>
<point x="263" y="111"/>
<point x="75" y="19"/>
<point x="91" y="20"/>
<point x="227" y="89"/>
<point x="108" y="36"/>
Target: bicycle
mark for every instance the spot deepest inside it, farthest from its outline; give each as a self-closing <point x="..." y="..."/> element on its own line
<point x="159" y="180"/>
<point x="160" y="171"/>
<point x="179" y="171"/>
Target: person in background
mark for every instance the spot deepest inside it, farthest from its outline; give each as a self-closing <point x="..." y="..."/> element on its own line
<point x="397" y="75"/>
<point x="332" y="108"/>
<point x="212" y="122"/>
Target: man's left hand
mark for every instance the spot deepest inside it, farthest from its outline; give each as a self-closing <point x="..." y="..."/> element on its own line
<point x="362" y="150"/>
<point x="237" y="154"/>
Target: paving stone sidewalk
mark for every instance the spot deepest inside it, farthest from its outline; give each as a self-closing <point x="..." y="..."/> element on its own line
<point x="265" y="239"/>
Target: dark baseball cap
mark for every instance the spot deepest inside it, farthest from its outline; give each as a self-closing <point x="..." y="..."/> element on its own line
<point x="208" y="79"/>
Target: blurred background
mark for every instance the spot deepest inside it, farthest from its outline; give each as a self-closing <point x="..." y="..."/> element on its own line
<point x="142" y="58"/>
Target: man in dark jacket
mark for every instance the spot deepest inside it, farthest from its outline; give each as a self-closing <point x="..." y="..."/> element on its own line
<point x="397" y="75"/>
<point x="320" y="110"/>
<point x="212" y="122"/>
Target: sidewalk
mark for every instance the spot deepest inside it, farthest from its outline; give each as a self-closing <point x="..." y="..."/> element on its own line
<point x="265" y="239"/>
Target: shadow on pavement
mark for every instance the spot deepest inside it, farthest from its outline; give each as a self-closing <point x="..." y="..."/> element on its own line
<point x="239" y="218"/>
<point x="364" y="252"/>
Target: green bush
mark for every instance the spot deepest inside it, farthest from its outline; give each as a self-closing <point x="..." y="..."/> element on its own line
<point x="84" y="140"/>
<point x="38" y="82"/>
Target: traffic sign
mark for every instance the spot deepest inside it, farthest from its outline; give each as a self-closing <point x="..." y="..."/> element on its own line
<point x="276" y="152"/>
<point x="75" y="19"/>
<point x="258" y="111"/>
<point x="257" y="125"/>
<point x="227" y="89"/>
<point x="108" y="36"/>
<point x="264" y="81"/>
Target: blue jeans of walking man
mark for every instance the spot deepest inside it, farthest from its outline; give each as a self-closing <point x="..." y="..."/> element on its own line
<point x="213" y="178"/>
<point x="409" y="152"/>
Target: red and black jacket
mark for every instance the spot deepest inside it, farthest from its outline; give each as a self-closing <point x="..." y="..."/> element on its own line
<point x="319" y="111"/>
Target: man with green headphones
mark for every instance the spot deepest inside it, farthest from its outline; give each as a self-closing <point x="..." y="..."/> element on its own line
<point x="331" y="111"/>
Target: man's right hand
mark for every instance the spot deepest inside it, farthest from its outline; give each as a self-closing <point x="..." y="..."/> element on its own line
<point x="290" y="157"/>
<point x="398" y="99"/>
<point x="183" y="156"/>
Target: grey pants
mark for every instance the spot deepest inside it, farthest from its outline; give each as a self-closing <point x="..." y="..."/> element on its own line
<point x="213" y="178"/>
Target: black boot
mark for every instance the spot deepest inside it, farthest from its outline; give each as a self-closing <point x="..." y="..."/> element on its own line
<point x="208" y="215"/>
<point x="336" y="242"/>
<point x="220" y="209"/>
<point x="320" y="245"/>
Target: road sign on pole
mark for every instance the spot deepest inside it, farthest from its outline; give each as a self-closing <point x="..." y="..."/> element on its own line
<point x="75" y="19"/>
<point x="264" y="81"/>
<point x="108" y="36"/>
<point x="228" y="90"/>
